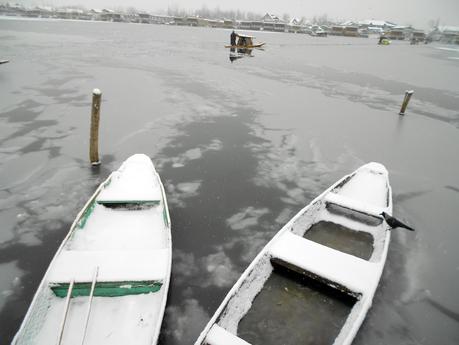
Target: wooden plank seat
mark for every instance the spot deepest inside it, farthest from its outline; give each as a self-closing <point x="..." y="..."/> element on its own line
<point x="355" y="205"/>
<point x="220" y="336"/>
<point x="353" y="274"/>
<point x="128" y="203"/>
<point x="119" y="188"/>
<point x="120" y="272"/>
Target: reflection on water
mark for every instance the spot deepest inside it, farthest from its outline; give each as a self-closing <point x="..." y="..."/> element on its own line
<point x="293" y="309"/>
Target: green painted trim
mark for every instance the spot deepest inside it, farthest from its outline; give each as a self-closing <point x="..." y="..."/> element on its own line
<point x="166" y="219"/>
<point x="165" y="208"/>
<point x="86" y="214"/>
<point x="107" y="289"/>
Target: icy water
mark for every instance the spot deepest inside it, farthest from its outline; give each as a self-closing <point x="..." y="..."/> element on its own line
<point x="241" y="147"/>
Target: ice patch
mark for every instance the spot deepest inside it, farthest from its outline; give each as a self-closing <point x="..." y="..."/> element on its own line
<point x="193" y="154"/>
<point x="448" y="49"/>
<point x="8" y="224"/>
<point x="246" y="218"/>
<point x="189" y="188"/>
<point x="186" y="321"/>
<point x="10" y="280"/>
<point x="212" y="270"/>
<point x="284" y="216"/>
<point x="176" y="195"/>
<point x="220" y="269"/>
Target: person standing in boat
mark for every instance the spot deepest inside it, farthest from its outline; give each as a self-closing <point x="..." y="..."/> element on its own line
<point x="233" y="37"/>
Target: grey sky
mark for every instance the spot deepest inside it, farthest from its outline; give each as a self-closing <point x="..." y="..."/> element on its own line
<point x="415" y="12"/>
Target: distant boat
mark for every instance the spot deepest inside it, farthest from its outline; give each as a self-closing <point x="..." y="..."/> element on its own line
<point x="4" y="61"/>
<point x="314" y="282"/>
<point x="245" y="41"/>
<point x="109" y="279"/>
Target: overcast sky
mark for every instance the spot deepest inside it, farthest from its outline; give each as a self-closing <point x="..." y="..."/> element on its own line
<point x="415" y="12"/>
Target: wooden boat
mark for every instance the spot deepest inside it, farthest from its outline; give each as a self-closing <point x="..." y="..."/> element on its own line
<point x="108" y="282"/>
<point x="314" y="282"/>
<point x="246" y="42"/>
<point x="248" y="46"/>
<point x="4" y="61"/>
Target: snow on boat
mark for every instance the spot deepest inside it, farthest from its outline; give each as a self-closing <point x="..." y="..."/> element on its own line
<point x="314" y="282"/>
<point x="115" y="263"/>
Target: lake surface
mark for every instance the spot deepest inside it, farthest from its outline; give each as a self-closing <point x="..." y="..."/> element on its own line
<point x="241" y="146"/>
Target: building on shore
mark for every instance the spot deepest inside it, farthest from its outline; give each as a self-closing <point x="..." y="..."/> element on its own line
<point x="268" y="22"/>
<point x="399" y="33"/>
<point x="376" y="25"/>
<point x="418" y="36"/>
<point x="449" y="34"/>
<point x="351" y="30"/>
<point x="337" y="30"/>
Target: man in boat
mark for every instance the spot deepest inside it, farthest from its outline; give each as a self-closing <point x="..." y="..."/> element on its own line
<point x="233" y="37"/>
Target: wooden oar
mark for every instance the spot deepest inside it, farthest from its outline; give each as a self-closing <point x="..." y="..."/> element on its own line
<point x="64" y="318"/>
<point x="91" y="295"/>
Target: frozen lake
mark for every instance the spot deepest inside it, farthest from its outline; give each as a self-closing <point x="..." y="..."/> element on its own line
<point x="241" y="147"/>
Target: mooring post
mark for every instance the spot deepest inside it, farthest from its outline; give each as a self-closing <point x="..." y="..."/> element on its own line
<point x="94" y="135"/>
<point x="408" y="95"/>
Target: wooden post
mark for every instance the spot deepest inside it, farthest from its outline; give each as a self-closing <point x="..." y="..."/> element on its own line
<point x="94" y="135"/>
<point x="408" y="95"/>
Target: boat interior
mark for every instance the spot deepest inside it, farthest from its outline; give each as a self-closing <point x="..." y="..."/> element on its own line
<point x="116" y="258"/>
<point x="316" y="276"/>
<point x="286" y="303"/>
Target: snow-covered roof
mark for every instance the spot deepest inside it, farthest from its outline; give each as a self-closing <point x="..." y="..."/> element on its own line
<point x="270" y="17"/>
<point x="449" y="28"/>
<point x="44" y="8"/>
<point x="374" y="22"/>
<point x="349" y="23"/>
<point x="295" y="21"/>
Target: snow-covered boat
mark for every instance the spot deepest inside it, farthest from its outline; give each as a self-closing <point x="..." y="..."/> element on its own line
<point x="108" y="282"/>
<point x="314" y="282"/>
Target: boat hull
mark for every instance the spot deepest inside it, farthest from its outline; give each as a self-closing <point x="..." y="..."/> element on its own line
<point x="246" y="46"/>
<point x="354" y="202"/>
<point x="115" y="260"/>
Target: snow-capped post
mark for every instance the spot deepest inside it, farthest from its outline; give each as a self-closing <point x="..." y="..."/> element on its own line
<point x="94" y="135"/>
<point x="408" y="95"/>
